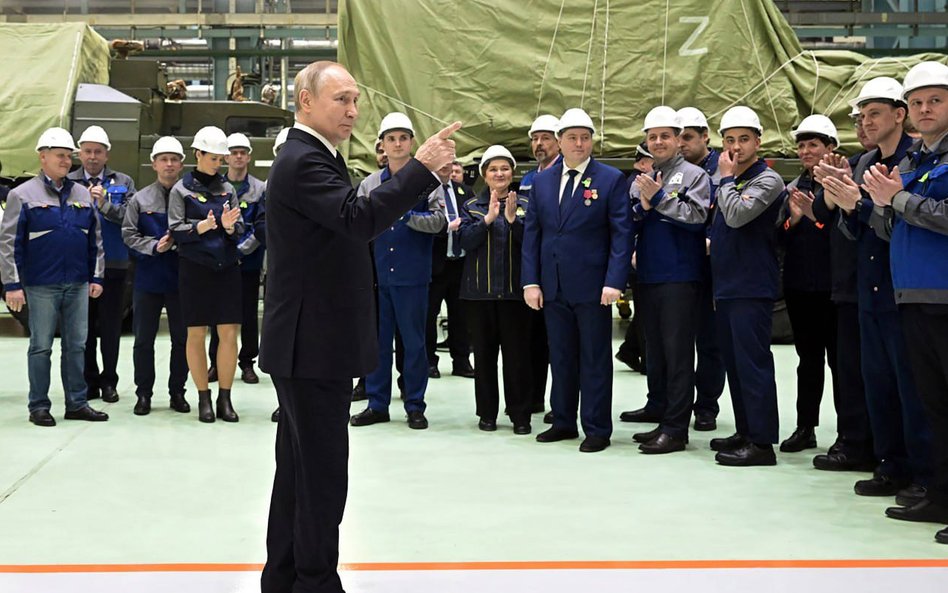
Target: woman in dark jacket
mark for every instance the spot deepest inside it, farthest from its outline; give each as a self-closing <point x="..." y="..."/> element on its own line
<point x="491" y="233"/>
<point x="204" y="219"/>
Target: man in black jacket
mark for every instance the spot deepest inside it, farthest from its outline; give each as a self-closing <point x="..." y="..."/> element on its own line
<point x="319" y="322"/>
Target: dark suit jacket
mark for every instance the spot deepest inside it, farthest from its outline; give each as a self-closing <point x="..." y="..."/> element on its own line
<point x="319" y="312"/>
<point x="439" y="251"/>
<point x="575" y="255"/>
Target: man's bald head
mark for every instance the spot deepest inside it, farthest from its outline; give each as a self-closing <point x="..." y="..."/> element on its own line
<point x="326" y="97"/>
<point x="312" y="77"/>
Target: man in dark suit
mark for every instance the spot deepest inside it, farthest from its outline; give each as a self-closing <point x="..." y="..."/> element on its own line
<point x="576" y="257"/>
<point x="319" y="322"/>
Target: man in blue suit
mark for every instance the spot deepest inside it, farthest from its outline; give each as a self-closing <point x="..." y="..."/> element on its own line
<point x="576" y="256"/>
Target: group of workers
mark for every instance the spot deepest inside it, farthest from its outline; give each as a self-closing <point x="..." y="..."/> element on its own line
<point x="531" y="273"/>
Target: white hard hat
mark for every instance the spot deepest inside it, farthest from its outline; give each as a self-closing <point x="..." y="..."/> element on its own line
<point x="661" y="117"/>
<point x="395" y="121"/>
<point x="854" y="113"/>
<point x="880" y="88"/>
<point x="923" y="75"/>
<point x="211" y="139"/>
<point x="167" y="145"/>
<point x="95" y="134"/>
<point x="544" y="123"/>
<point x="817" y="124"/>
<point x="740" y="116"/>
<point x="280" y="139"/>
<point x="56" y="138"/>
<point x="496" y="152"/>
<point x="575" y="118"/>
<point x="238" y="140"/>
<point x="692" y="118"/>
<point x="641" y="151"/>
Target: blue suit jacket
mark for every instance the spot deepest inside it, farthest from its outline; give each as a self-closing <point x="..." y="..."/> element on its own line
<point x="573" y="256"/>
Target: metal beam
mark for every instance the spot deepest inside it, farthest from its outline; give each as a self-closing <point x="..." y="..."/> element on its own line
<point x="297" y="19"/>
<point x="855" y="19"/>
<point x="170" y="54"/>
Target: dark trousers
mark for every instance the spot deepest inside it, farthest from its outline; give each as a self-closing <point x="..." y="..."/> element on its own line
<point x="633" y="345"/>
<point x="901" y="435"/>
<point x="249" y="323"/>
<point x="446" y="286"/>
<point x="852" y="416"/>
<point x="501" y="326"/>
<point x="813" y="320"/>
<point x="539" y="358"/>
<point x="147" y="315"/>
<point x="670" y="344"/>
<point x="926" y="334"/>
<point x="744" y="328"/>
<point x="710" y="372"/>
<point x="580" y="342"/>
<point x="105" y="324"/>
<point x="309" y="486"/>
<point x="404" y="308"/>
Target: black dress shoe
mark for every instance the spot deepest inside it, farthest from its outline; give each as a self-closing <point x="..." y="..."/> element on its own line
<point x="802" y="438"/>
<point x="640" y="415"/>
<point x="87" y="414"/>
<point x="487" y="425"/>
<point x="249" y="376"/>
<point x="417" y="420"/>
<point x="369" y="416"/>
<point x="924" y="511"/>
<point x="731" y="443"/>
<point x="911" y="496"/>
<point x="548" y="417"/>
<point x="880" y="485"/>
<point x="225" y="408"/>
<point x="205" y="408"/>
<point x="705" y="423"/>
<point x="840" y="461"/>
<point x="212" y="374"/>
<point x="552" y="435"/>
<point x="179" y="404"/>
<point x="434" y="373"/>
<point x="644" y="437"/>
<point x="42" y="418"/>
<point x="109" y="394"/>
<point x="142" y="406"/>
<point x="463" y="369"/>
<point x="358" y="392"/>
<point x="942" y="536"/>
<point x="593" y="444"/>
<point x="522" y="428"/>
<point x="663" y="443"/>
<point x="275" y="416"/>
<point x="629" y="360"/>
<point x="749" y="455"/>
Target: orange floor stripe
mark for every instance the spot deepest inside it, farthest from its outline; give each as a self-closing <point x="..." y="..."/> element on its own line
<point x="553" y="565"/>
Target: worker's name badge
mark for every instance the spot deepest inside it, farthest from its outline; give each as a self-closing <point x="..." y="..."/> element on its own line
<point x="677" y="178"/>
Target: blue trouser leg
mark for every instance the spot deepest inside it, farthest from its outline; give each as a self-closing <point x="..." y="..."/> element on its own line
<point x="73" y="329"/>
<point x="378" y="383"/>
<point x="44" y="303"/>
<point x="710" y="371"/>
<point x="595" y="368"/>
<point x="411" y="309"/>
<point x="563" y="336"/>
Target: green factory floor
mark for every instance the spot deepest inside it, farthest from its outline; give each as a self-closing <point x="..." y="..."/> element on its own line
<point x="190" y="500"/>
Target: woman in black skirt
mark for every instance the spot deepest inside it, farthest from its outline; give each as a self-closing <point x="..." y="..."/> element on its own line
<point x="205" y="223"/>
<point x="491" y="233"/>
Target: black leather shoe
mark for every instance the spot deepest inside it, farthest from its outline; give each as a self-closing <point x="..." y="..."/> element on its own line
<point x="802" y="438"/>
<point x="731" y="443"/>
<point x="593" y="444"/>
<point x="87" y="414"/>
<point x="748" y="455"/>
<point x="705" y="423"/>
<point x="205" y="409"/>
<point x="633" y="362"/>
<point x="942" y="536"/>
<point x="249" y="376"/>
<point x="275" y="416"/>
<point x="417" y="420"/>
<point x="522" y="428"/>
<point x="880" y="485"/>
<point x="225" y="408"/>
<point x="368" y="417"/>
<point x="924" y="511"/>
<point x="640" y="415"/>
<point x="911" y="496"/>
<point x="663" y="443"/>
<point x="109" y="394"/>
<point x="487" y="425"/>
<point x="42" y="418"/>
<point x="434" y="373"/>
<point x="548" y="417"/>
<point x="644" y="437"/>
<point x="839" y="461"/>
<point x="142" y="406"/>
<point x="463" y="369"/>
<point x="358" y="392"/>
<point x="179" y="404"/>
<point x="212" y="374"/>
<point x="552" y="435"/>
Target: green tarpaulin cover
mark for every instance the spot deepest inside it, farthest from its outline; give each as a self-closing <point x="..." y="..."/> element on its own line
<point x="42" y="66"/>
<point x="497" y="65"/>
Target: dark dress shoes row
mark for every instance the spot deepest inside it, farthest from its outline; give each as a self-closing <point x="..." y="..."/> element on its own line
<point x="275" y="417"/>
<point x="913" y="494"/>
<point x="705" y="422"/>
<point x="731" y="443"/>
<point x="593" y="444"/>
<point x="751" y="454"/>
<point x="548" y="417"/>
<point x="358" y="392"/>
<point x="841" y="461"/>
<point x="87" y="414"/>
<point x="487" y="425"/>
<point x="880" y="485"/>
<point x="524" y="428"/>
<point x="434" y="373"/>
<point x="552" y="435"/>
<point x="924" y="511"/>
<point x="640" y="415"/>
<point x="42" y="418"/>
<point x="212" y="374"/>
<point x="368" y="417"/>
<point x="802" y="438"/>
<point x="109" y="394"/>
<point x="417" y="420"/>
<point x="663" y="443"/>
<point x="249" y="376"/>
<point x="463" y="369"/>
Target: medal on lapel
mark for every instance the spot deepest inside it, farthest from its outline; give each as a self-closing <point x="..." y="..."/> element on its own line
<point x="589" y="194"/>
